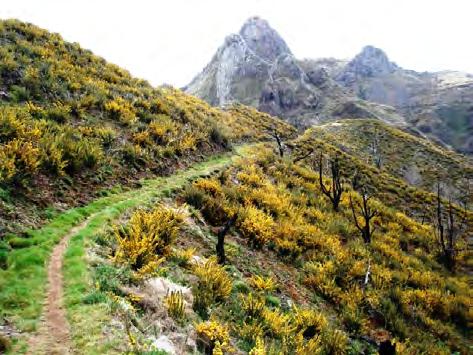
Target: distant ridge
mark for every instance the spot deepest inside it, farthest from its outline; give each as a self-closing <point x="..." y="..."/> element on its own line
<point x="256" y="67"/>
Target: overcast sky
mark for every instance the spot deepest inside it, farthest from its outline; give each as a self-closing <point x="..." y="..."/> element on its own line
<point x="171" y="41"/>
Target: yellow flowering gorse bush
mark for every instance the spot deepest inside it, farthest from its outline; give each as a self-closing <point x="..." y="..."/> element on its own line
<point x="147" y="238"/>
<point x="397" y="277"/>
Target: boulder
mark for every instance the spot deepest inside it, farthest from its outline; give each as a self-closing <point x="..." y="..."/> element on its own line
<point x="164" y="343"/>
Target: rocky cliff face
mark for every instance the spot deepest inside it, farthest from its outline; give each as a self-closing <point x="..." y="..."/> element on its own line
<point x="241" y="65"/>
<point x="262" y="40"/>
<point x="438" y="104"/>
<point x="369" y="63"/>
<point x="256" y="67"/>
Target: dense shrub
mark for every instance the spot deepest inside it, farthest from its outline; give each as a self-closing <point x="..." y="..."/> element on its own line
<point x="121" y="110"/>
<point x="213" y="285"/>
<point x="18" y="161"/>
<point x="134" y="155"/>
<point x="218" y="136"/>
<point x="174" y="302"/>
<point x="213" y="337"/>
<point x="162" y="130"/>
<point x="147" y="238"/>
<point x="257" y="226"/>
<point x="59" y="113"/>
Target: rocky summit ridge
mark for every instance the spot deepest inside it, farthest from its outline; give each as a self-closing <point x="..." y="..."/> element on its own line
<point x="262" y="40"/>
<point x="256" y="67"/>
<point x="371" y="61"/>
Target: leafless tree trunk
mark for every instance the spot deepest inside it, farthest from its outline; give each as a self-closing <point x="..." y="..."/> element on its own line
<point x="446" y="230"/>
<point x="356" y="180"/>
<point x="367" y="213"/>
<point x="276" y="136"/>
<point x="334" y="193"/>
<point x="375" y="150"/>
<point x="220" y="248"/>
<point x="302" y="157"/>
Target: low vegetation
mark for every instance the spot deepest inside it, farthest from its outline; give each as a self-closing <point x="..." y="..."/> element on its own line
<point x="247" y="123"/>
<point x="298" y="277"/>
<point x="147" y="238"/>
<point x="23" y="278"/>
<point x="392" y="283"/>
<point x="69" y="118"/>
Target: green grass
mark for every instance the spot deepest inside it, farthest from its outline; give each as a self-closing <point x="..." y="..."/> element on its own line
<point x="86" y="319"/>
<point x="22" y="284"/>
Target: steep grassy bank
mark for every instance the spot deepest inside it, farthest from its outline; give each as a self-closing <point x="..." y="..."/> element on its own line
<point x="72" y="124"/>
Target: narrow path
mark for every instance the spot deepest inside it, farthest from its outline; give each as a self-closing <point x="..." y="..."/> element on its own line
<point x="53" y="336"/>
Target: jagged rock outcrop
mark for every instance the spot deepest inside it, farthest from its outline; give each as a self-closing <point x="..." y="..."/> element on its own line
<point x="439" y="105"/>
<point x="263" y="40"/>
<point x="369" y="63"/>
<point x="256" y="67"/>
<point x="241" y="65"/>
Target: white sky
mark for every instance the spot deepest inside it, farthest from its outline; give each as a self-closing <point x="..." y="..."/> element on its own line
<point x="171" y="41"/>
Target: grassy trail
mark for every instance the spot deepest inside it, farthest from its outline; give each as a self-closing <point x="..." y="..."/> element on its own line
<point x="53" y="335"/>
<point x="23" y="285"/>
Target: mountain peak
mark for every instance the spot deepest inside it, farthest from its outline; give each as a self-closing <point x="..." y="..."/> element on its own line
<point x="262" y="39"/>
<point x="369" y="52"/>
<point x="371" y="61"/>
<point x="255" y="21"/>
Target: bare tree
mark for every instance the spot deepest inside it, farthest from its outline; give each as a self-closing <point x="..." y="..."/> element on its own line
<point x="276" y="136"/>
<point x="334" y="193"/>
<point x="466" y="195"/>
<point x="447" y="230"/>
<point x="367" y="212"/>
<point x="302" y="157"/>
<point x="375" y="150"/>
<point x="356" y="180"/>
<point x="220" y="248"/>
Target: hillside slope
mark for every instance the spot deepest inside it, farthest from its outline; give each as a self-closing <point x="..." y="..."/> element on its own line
<point x="389" y="184"/>
<point x="297" y="279"/>
<point x="73" y="126"/>
<point x="414" y="159"/>
<point x="316" y="259"/>
<point x="28" y="321"/>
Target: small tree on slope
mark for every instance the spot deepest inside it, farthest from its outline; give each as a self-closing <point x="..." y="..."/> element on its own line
<point x="334" y="193"/>
<point x="367" y="213"/>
